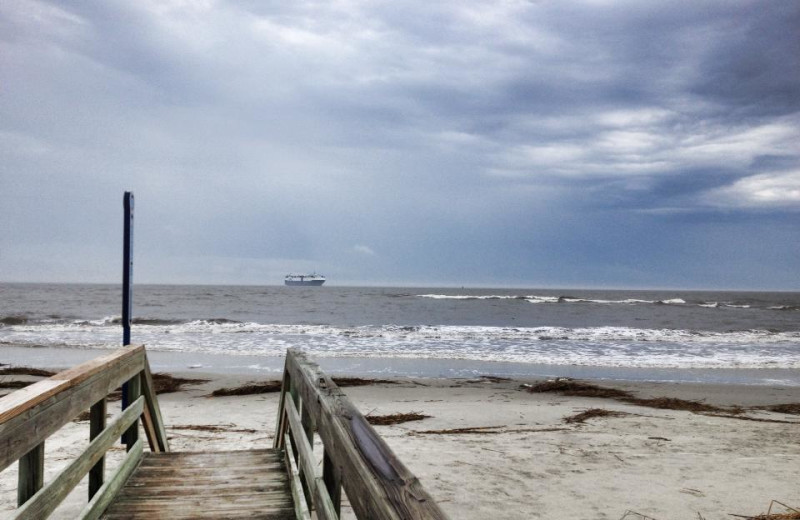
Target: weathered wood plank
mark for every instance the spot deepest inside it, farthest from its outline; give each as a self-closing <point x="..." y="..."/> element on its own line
<point x="300" y="505"/>
<point x="186" y="457"/>
<point x="149" y="430"/>
<point x="305" y="456"/>
<point x="30" y="478"/>
<point x="47" y="416"/>
<point x="97" y="423"/>
<point x="229" y="472"/>
<point x="154" y="417"/>
<point x="205" y="489"/>
<point x="50" y="496"/>
<point x="280" y="427"/>
<point x="131" y="435"/>
<point x="322" y="502"/>
<point x="377" y="483"/>
<point x="233" y="514"/>
<point x="105" y="495"/>
<point x="175" y="472"/>
<point x="332" y="476"/>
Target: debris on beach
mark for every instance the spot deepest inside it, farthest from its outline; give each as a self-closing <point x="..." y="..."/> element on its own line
<point x="357" y="381"/>
<point x="487" y="430"/>
<point x="629" y="514"/>
<point x="163" y="384"/>
<point x="166" y="383"/>
<point x="395" y="418"/>
<point x="275" y="386"/>
<point x="790" y="514"/>
<point x="26" y="371"/>
<point x="591" y="413"/>
<point x="14" y="384"/>
<point x="787" y="408"/>
<point x="214" y="428"/>
<point x="248" y="389"/>
<point x="571" y="387"/>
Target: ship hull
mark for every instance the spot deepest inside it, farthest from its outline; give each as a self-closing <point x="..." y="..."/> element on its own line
<point x="304" y="283"/>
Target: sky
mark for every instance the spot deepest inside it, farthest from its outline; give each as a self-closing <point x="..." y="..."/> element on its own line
<point x="622" y="144"/>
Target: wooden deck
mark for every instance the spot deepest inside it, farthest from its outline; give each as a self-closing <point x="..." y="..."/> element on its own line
<point x="179" y="485"/>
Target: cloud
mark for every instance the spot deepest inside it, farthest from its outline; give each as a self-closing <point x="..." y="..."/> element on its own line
<point x="364" y="250"/>
<point x="769" y="190"/>
<point x="453" y="137"/>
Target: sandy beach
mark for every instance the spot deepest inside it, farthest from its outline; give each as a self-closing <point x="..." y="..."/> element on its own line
<point x="516" y="456"/>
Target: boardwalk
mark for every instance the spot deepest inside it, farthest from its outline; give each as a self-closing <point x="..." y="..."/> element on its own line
<point x="289" y="480"/>
<point x="233" y="484"/>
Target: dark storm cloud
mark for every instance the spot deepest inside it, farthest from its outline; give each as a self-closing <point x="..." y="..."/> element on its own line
<point x="504" y="143"/>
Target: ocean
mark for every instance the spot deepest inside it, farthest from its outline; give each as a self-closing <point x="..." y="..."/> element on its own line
<point x="738" y="337"/>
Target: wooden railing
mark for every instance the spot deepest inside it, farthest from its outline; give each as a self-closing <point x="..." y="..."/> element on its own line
<point x="354" y="456"/>
<point x="30" y="415"/>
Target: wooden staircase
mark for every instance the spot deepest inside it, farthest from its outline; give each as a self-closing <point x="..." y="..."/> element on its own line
<point x="289" y="480"/>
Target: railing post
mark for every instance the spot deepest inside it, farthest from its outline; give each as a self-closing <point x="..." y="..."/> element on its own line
<point x="134" y="391"/>
<point x="333" y="482"/>
<point x="308" y="430"/>
<point x="97" y="423"/>
<point x="280" y="427"/>
<point x="31" y="474"/>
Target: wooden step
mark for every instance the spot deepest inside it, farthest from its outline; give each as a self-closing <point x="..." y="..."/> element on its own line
<point x="186" y="485"/>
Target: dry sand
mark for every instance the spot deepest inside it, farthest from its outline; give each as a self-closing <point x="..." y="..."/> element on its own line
<point x="660" y="464"/>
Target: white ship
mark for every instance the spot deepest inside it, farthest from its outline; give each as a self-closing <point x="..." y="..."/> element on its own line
<point x="312" y="279"/>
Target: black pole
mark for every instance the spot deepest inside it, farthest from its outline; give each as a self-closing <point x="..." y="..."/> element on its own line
<point x="127" y="270"/>
<point x="127" y="281"/>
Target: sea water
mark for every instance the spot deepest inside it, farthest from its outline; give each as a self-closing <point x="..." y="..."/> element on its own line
<point x="750" y="337"/>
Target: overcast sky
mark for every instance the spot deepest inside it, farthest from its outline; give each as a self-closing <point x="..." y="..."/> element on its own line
<point x="503" y="143"/>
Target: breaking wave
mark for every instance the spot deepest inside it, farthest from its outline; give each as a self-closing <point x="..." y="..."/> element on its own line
<point x="627" y="301"/>
<point x="590" y="346"/>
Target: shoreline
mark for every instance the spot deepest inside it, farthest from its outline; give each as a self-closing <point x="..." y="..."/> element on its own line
<point x="519" y="457"/>
<point x="383" y="367"/>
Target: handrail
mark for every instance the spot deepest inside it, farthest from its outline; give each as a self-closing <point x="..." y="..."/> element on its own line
<point x="30" y="415"/>
<point x="355" y="457"/>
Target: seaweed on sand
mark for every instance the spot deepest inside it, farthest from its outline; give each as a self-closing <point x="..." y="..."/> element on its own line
<point x="164" y="384"/>
<point x="248" y="389"/>
<point x="787" y="408"/>
<point x="395" y="418"/>
<point x="591" y="413"/>
<point x="275" y="386"/>
<point x="26" y="371"/>
<point x="357" y="381"/>
<point x="790" y="514"/>
<point x="572" y="387"/>
<point x="14" y="384"/>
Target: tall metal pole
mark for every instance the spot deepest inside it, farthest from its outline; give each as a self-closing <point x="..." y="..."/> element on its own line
<point x="127" y="281"/>
<point x="127" y="269"/>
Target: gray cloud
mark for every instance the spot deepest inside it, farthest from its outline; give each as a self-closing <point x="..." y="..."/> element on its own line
<point x="510" y="143"/>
